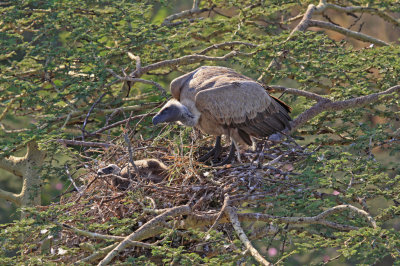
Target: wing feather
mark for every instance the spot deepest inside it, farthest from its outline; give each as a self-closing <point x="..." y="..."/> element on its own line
<point x="245" y="105"/>
<point x="233" y="103"/>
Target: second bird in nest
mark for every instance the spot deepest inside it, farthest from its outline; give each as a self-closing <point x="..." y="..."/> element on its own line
<point x="220" y="101"/>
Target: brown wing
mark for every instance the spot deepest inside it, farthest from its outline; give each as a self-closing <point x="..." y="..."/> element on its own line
<point x="205" y="77"/>
<point x="244" y="105"/>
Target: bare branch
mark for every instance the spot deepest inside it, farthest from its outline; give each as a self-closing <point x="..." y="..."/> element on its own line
<point x="97" y="255"/>
<point x="306" y="94"/>
<point x="85" y="143"/>
<point x="221" y="213"/>
<point x="200" y="220"/>
<point x="341" y="105"/>
<point x="145" y="81"/>
<point x="340" y="208"/>
<point x="104" y="237"/>
<point x="185" y="13"/>
<point x="354" y="34"/>
<point x="12" y="131"/>
<point x="233" y="217"/>
<point x="90" y="111"/>
<point x="14" y="165"/>
<point x="136" y="58"/>
<point x="119" y="123"/>
<point x="146" y="230"/>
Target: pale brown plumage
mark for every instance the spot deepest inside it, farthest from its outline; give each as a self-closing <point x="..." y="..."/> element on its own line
<point x="149" y="169"/>
<point x="220" y="101"/>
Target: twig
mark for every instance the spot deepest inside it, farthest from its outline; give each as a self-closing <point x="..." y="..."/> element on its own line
<point x="88" y="114"/>
<point x="118" y="123"/>
<point x="72" y="180"/>
<point x="128" y="142"/>
<point x="221" y="213"/>
<point x="187" y="59"/>
<point x="85" y="143"/>
<point x="307" y="94"/>
<point x="218" y="45"/>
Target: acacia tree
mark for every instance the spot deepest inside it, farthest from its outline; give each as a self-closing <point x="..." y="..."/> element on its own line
<point x="78" y="75"/>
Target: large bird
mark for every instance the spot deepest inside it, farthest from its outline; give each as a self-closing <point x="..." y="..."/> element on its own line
<point x="220" y="101"/>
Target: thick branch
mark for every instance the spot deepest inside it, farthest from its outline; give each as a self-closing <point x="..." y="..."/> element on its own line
<point x="104" y="237"/>
<point x="233" y="217"/>
<point x="341" y="105"/>
<point x="356" y="35"/>
<point x="31" y="181"/>
<point x="12" y="197"/>
<point x="12" y="164"/>
<point x="146" y="231"/>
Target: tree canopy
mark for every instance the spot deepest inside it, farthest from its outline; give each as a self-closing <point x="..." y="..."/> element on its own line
<point x="80" y="81"/>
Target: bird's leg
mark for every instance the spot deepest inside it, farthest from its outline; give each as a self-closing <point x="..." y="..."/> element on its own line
<point x="215" y="152"/>
<point x="230" y="156"/>
<point x="238" y="151"/>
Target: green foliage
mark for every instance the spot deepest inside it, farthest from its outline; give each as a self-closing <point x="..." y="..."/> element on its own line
<point x="54" y="65"/>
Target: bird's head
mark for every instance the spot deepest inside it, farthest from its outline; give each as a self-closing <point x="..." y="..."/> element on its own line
<point x="110" y="169"/>
<point x="172" y="111"/>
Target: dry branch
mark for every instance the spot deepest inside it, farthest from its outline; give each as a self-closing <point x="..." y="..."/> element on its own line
<point x="185" y="13"/>
<point x="201" y="220"/>
<point x="233" y="217"/>
<point x="349" y="33"/>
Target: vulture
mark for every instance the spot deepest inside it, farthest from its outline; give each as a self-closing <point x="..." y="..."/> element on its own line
<point x="149" y="169"/>
<point x="219" y="101"/>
